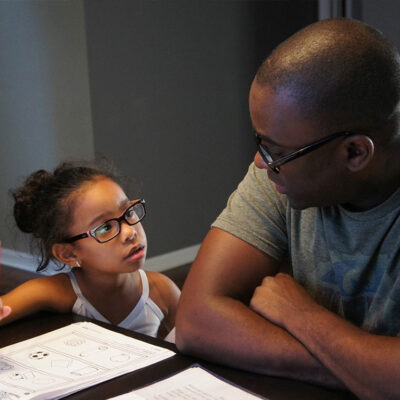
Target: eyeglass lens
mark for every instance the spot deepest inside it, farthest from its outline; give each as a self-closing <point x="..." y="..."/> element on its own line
<point x="111" y="228"/>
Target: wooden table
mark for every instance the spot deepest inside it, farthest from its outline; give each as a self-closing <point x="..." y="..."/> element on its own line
<point x="270" y="387"/>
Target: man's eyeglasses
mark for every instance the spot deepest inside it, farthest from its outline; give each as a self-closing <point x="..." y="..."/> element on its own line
<point x="275" y="164"/>
<point x="111" y="228"/>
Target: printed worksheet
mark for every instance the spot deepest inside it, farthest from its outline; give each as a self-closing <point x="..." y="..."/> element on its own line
<point x="69" y="359"/>
<point x="194" y="383"/>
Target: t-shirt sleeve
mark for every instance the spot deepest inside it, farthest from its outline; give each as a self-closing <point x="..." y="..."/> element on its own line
<point x="256" y="213"/>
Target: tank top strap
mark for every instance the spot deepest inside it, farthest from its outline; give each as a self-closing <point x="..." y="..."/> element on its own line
<point x="145" y="285"/>
<point x="75" y="285"/>
<point x="146" y="296"/>
<point x="82" y="305"/>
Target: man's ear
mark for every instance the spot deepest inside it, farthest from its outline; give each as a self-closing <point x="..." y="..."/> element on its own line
<point x="64" y="253"/>
<point x="359" y="152"/>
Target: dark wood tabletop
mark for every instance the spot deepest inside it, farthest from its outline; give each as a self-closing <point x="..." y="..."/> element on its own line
<point x="270" y="387"/>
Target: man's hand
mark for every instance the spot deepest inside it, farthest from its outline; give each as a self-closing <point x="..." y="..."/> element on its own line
<point x="280" y="299"/>
<point x="367" y="364"/>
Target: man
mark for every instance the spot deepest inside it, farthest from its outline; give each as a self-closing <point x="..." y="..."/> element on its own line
<point x="322" y="199"/>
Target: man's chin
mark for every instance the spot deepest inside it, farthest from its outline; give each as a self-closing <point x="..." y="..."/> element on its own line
<point x="298" y="204"/>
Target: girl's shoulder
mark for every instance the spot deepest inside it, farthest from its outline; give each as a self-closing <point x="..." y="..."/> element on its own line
<point x="160" y="283"/>
<point x="56" y="290"/>
<point x="163" y="291"/>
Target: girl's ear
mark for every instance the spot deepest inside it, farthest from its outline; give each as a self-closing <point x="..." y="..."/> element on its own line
<point x="360" y="151"/>
<point x="64" y="253"/>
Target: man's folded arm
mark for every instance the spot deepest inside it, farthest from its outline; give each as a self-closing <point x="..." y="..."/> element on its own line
<point x="368" y="364"/>
<point x="215" y="322"/>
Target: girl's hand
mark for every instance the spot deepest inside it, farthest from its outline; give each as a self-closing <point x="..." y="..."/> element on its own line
<point x="4" y="310"/>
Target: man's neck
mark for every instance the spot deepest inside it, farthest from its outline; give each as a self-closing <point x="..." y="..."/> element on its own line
<point x="373" y="195"/>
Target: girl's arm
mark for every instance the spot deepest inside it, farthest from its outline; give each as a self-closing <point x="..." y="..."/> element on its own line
<point x="52" y="293"/>
<point x="4" y="310"/>
<point x="165" y="294"/>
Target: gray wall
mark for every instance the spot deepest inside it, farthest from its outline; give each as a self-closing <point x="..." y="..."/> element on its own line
<point x="383" y="15"/>
<point x="169" y="84"/>
<point x="168" y="95"/>
<point x="168" y="98"/>
<point x="44" y="95"/>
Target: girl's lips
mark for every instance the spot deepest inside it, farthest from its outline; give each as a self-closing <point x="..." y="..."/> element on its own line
<point x="136" y="253"/>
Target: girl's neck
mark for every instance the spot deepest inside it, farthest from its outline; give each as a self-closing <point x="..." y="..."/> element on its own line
<point x="106" y="282"/>
<point x="105" y="291"/>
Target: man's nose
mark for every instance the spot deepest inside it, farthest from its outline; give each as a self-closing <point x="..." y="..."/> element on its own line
<point x="259" y="161"/>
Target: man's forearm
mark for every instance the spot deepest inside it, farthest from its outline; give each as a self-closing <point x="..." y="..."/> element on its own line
<point x="367" y="364"/>
<point x="224" y="330"/>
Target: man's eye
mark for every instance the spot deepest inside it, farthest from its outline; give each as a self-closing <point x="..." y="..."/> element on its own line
<point x="277" y="154"/>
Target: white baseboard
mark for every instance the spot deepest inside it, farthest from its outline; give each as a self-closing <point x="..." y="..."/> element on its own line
<point x="18" y="259"/>
<point x="172" y="259"/>
<point x="27" y="262"/>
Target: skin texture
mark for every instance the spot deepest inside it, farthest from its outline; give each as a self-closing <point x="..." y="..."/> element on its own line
<point x="4" y="310"/>
<point x="221" y="327"/>
<point x="107" y="276"/>
<point x="368" y="364"/>
<point x="237" y="309"/>
<point x="344" y="171"/>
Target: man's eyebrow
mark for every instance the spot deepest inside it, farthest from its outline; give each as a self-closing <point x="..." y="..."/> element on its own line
<point x="266" y="139"/>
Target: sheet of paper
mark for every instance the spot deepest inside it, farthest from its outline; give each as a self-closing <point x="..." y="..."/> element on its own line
<point x="194" y="383"/>
<point x="69" y="359"/>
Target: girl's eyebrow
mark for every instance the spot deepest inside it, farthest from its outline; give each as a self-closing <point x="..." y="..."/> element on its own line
<point x="103" y="216"/>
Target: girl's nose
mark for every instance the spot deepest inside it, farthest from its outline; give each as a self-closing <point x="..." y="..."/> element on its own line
<point x="128" y="231"/>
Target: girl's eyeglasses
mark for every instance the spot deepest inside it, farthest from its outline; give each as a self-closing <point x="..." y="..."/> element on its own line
<point x="111" y="228"/>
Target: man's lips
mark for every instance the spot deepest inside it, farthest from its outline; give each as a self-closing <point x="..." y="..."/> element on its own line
<point x="279" y="187"/>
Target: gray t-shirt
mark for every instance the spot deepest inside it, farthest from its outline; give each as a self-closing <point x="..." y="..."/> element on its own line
<point x="348" y="261"/>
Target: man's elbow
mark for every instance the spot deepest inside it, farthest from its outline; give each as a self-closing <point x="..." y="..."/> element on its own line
<point x="184" y="332"/>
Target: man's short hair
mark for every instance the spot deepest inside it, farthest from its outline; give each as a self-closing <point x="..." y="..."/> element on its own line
<point x="337" y="69"/>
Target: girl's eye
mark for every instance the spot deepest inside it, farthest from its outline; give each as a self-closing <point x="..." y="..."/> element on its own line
<point x="131" y="214"/>
<point x="103" y="229"/>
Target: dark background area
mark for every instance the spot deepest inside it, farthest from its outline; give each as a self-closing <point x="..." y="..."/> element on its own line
<point x="169" y="83"/>
<point x="159" y="87"/>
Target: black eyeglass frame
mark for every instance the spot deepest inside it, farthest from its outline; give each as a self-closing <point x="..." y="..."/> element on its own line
<point x="275" y="164"/>
<point x="90" y="233"/>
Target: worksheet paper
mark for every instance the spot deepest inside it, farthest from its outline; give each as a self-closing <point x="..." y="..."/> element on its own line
<point x="69" y="359"/>
<point x="194" y="383"/>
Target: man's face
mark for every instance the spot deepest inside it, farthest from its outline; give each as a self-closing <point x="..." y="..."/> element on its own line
<point x="314" y="179"/>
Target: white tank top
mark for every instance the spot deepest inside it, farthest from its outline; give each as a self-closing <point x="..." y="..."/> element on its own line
<point x="145" y="317"/>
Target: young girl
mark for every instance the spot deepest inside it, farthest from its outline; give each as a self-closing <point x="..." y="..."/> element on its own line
<point x="83" y="218"/>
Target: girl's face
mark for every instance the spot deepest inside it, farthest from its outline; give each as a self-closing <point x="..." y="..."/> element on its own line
<point x="96" y="202"/>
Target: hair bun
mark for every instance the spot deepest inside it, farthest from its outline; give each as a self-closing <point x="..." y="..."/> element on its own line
<point x="28" y="199"/>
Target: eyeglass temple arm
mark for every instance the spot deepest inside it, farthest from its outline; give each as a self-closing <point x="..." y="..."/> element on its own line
<point x="75" y="238"/>
<point x="307" y="149"/>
